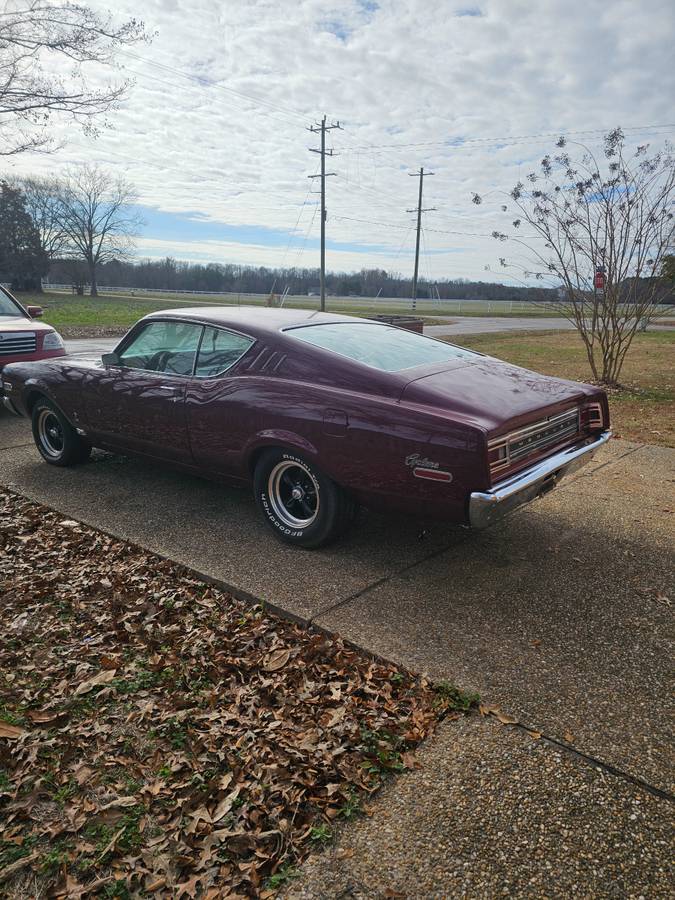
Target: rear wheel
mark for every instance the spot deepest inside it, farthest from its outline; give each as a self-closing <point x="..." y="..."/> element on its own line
<point x="300" y="504"/>
<point x="56" y="439"/>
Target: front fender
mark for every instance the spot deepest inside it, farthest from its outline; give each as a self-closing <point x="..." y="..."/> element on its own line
<point x="32" y="388"/>
<point x="36" y="387"/>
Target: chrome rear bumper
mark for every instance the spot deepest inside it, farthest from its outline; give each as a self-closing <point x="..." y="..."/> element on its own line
<point x="488" y="507"/>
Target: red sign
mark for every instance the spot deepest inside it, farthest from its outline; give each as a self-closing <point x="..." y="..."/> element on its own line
<point x="599" y="281"/>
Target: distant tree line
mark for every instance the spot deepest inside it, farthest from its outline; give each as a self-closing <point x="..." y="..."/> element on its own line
<point x="175" y="275"/>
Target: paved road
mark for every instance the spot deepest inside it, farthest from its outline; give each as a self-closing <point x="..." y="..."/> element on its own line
<point x="560" y="616"/>
<point x="91" y="345"/>
<point x="488" y="324"/>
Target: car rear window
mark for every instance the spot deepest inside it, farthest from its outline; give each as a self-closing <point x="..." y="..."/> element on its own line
<point x="379" y="346"/>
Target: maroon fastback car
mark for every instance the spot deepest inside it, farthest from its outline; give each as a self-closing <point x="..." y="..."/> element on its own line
<point x="321" y="412"/>
<point x="21" y="337"/>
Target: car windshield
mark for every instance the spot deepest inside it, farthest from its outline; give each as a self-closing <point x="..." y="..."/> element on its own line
<point x="7" y="306"/>
<point x="379" y="346"/>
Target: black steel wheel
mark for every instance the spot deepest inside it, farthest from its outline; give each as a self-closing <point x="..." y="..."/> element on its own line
<point x="56" y="439"/>
<point x="302" y="505"/>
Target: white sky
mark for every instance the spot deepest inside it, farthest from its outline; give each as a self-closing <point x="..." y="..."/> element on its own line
<point x="233" y="146"/>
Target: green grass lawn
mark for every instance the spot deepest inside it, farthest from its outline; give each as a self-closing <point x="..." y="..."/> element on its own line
<point x="642" y="411"/>
<point x="122" y="309"/>
<point x="70" y="314"/>
<point x="65" y="311"/>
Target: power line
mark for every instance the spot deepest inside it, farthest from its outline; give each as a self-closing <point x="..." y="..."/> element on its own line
<point x="358" y="187"/>
<point x="428" y="230"/>
<point x="307" y="234"/>
<point x="210" y="82"/>
<point x="297" y="222"/>
<point x="427" y="258"/>
<point x="458" y="143"/>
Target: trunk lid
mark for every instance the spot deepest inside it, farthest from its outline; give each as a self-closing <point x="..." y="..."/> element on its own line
<point x="492" y="394"/>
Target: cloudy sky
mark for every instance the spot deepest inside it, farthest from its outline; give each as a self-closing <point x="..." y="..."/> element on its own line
<point x="214" y="131"/>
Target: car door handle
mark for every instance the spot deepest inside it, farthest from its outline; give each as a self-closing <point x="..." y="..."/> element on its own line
<point x="168" y="387"/>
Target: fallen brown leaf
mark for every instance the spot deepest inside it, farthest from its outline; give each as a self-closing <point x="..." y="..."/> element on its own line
<point x="12" y="732"/>
<point x="276" y="660"/>
<point x="104" y="677"/>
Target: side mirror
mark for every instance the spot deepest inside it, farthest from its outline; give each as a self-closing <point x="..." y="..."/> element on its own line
<point x="110" y="359"/>
<point x="35" y="312"/>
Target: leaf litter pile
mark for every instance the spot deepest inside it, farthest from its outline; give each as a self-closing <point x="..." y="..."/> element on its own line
<point x="158" y="736"/>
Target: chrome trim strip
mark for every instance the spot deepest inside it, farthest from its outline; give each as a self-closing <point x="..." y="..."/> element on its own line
<point x="571" y="414"/>
<point x="7" y="403"/>
<point x="533" y="438"/>
<point x="488" y="507"/>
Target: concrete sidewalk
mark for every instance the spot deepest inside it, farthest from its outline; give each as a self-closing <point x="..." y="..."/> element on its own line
<point x="560" y="616"/>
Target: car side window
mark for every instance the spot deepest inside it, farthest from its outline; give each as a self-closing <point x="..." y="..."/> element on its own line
<point x="219" y="351"/>
<point x="169" y="347"/>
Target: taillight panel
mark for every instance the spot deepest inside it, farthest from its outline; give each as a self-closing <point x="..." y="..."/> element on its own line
<point x="592" y="416"/>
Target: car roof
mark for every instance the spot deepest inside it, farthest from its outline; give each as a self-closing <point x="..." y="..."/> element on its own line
<point x="257" y="320"/>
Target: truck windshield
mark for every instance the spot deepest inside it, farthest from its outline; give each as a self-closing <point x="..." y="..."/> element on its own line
<point x="379" y="346"/>
<point x="7" y="306"/>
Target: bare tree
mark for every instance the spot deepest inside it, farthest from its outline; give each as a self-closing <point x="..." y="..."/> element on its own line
<point x="42" y="197"/>
<point x="36" y="38"/>
<point x="599" y="229"/>
<point x="98" y="218"/>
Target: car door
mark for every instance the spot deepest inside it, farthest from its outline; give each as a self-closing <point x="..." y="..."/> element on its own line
<point x="139" y="404"/>
<point x="218" y="412"/>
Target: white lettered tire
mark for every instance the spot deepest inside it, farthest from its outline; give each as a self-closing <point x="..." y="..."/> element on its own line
<point x="301" y="505"/>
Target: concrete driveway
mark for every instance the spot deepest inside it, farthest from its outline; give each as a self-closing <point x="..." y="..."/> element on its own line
<point x="560" y="616"/>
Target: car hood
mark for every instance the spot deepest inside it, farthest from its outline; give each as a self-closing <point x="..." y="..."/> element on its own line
<point x="492" y="394"/>
<point x="21" y="323"/>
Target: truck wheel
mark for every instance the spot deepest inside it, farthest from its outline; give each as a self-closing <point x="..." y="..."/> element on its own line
<point x="56" y="439"/>
<point x="301" y="505"/>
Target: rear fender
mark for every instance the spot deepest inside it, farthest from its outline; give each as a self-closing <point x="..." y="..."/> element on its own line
<point x="274" y="437"/>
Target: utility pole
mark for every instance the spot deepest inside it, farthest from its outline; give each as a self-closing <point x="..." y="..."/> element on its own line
<point x="321" y="128"/>
<point x="419" y="212"/>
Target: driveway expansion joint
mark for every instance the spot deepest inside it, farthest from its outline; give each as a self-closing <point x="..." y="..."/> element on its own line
<point x="16" y="446"/>
<point x="600" y="764"/>
<point x="385" y="578"/>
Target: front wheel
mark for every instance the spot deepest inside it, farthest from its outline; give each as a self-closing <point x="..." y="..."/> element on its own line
<point x="301" y="505"/>
<point x="56" y="439"/>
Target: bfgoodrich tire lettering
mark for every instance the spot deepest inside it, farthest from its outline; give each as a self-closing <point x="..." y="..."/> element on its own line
<point x="301" y="505"/>
<point x="56" y="439"/>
